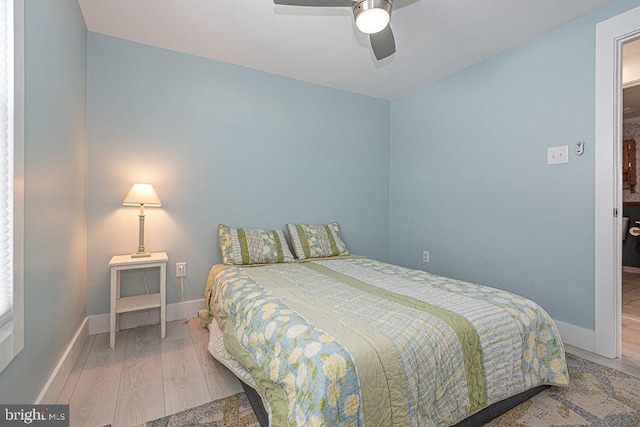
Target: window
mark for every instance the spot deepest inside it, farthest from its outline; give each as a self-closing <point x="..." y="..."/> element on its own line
<point x="11" y="179"/>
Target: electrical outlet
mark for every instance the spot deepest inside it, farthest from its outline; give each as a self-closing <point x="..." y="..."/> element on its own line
<point x="181" y="269"/>
<point x="425" y="256"/>
<point x="558" y="155"/>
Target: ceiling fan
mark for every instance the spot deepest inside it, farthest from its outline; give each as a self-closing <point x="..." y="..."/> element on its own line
<point x="372" y="17"/>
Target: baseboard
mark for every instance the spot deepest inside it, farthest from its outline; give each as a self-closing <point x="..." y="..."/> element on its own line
<point x="99" y="323"/>
<point x="58" y="378"/>
<point x="577" y="336"/>
<point x="628" y="269"/>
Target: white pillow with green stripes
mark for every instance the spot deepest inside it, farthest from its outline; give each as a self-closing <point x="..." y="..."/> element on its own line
<point x="243" y="246"/>
<point x="316" y="241"/>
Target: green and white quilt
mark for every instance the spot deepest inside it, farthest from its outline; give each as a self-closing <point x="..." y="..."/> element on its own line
<point x="353" y="342"/>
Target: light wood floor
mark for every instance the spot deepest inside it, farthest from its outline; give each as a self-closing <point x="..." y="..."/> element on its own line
<point x="144" y="377"/>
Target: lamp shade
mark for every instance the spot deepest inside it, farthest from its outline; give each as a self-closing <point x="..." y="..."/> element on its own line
<point x="142" y="194"/>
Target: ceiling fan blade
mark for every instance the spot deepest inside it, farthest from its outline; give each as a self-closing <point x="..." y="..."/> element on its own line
<point x="316" y="3"/>
<point x="383" y="43"/>
<point x="397" y="4"/>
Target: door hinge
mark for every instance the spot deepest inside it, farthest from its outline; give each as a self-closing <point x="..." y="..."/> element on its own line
<point x="615" y="212"/>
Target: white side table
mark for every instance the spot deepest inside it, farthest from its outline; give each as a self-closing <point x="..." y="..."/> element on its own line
<point x="137" y="302"/>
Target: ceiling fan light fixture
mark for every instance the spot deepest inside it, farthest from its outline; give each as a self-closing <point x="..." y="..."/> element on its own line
<point x="372" y="16"/>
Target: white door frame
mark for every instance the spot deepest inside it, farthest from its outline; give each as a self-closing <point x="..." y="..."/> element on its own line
<point x="610" y="36"/>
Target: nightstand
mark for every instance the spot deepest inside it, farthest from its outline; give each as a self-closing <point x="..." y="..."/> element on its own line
<point x="136" y="302"/>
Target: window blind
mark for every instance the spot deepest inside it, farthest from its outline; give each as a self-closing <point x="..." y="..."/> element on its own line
<point x="6" y="162"/>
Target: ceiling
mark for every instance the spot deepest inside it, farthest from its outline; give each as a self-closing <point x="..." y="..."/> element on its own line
<point x="434" y="38"/>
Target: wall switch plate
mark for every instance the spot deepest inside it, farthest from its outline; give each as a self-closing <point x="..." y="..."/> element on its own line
<point x="181" y="269"/>
<point x="558" y="155"/>
<point x="425" y="256"/>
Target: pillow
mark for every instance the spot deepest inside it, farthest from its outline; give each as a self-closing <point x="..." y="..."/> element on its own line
<point x="252" y="246"/>
<point x="316" y="241"/>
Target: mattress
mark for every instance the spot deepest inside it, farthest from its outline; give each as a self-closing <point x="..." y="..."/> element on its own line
<point x="355" y="341"/>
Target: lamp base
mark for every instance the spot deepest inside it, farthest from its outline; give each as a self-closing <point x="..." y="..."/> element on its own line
<point x="140" y="254"/>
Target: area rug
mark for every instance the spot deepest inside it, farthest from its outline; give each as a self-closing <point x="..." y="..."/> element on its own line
<point x="596" y="396"/>
<point x="232" y="411"/>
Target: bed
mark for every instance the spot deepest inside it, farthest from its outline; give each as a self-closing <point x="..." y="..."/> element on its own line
<point x="351" y="341"/>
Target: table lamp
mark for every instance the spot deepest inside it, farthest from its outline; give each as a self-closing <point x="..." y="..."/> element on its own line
<point x="141" y="195"/>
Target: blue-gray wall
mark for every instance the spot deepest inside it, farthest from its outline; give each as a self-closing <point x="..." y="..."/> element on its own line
<point x="469" y="180"/>
<point x="55" y="174"/>
<point x="223" y="144"/>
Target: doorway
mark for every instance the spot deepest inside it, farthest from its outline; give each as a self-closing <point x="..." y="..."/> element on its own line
<point x="611" y="35"/>
<point x="630" y="299"/>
